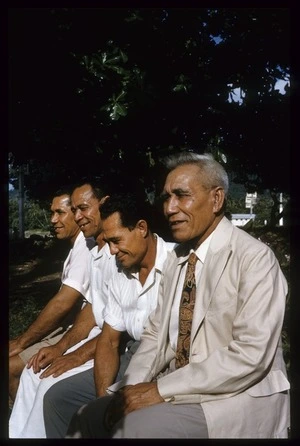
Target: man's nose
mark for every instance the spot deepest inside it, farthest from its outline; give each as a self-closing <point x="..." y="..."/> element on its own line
<point x="170" y="206"/>
<point x="77" y="215"/>
<point x="54" y="218"/>
<point x="113" y="249"/>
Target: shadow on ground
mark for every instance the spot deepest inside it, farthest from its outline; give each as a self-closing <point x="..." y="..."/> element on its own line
<point x="35" y="267"/>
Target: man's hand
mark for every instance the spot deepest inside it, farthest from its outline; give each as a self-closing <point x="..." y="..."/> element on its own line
<point x="131" y="398"/>
<point x="44" y="357"/>
<point x="15" y="347"/>
<point x="139" y="396"/>
<point x="63" y="364"/>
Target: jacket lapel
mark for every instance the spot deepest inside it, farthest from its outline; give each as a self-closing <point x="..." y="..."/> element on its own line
<point x="216" y="258"/>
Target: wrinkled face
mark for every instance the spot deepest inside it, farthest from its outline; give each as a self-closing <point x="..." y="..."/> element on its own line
<point x="189" y="207"/>
<point x="85" y="207"/>
<point x="62" y="218"/>
<point x="129" y="246"/>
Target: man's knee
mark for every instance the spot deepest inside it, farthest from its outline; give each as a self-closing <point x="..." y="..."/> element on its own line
<point x="53" y="395"/>
<point x="163" y="420"/>
<point x="16" y="366"/>
<point x="88" y="421"/>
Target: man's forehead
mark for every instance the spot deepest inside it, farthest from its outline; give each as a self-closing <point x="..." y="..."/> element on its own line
<point x="180" y="181"/>
<point x="112" y="222"/>
<point x="62" y="200"/>
<point x="84" y="193"/>
<point x="112" y="225"/>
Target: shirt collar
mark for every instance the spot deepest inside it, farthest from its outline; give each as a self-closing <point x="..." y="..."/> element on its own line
<point x="200" y="252"/>
<point x="104" y="251"/>
<point x="162" y="249"/>
<point x="78" y="238"/>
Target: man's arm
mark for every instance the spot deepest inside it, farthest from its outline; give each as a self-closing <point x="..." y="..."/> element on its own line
<point x="72" y="360"/>
<point x="107" y="358"/>
<point x="83" y="324"/>
<point x="48" y="320"/>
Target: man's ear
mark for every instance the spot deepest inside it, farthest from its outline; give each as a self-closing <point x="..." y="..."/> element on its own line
<point x="103" y="199"/>
<point x="218" y="198"/>
<point x="142" y="226"/>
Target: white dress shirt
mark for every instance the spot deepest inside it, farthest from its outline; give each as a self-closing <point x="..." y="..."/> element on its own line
<point x="102" y="266"/>
<point x="130" y="303"/>
<point x="75" y="270"/>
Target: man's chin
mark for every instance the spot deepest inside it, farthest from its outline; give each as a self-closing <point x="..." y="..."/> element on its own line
<point x="87" y="233"/>
<point x="178" y="236"/>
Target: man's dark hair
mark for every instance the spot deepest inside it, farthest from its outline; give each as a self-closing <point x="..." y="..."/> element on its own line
<point x="131" y="208"/>
<point x="99" y="189"/>
<point x="64" y="190"/>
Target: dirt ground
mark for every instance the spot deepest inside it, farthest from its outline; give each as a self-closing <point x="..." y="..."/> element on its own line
<point x="35" y="267"/>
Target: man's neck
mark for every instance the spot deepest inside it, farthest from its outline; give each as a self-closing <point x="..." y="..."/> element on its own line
<point x="72" y="240"/>
<point x="100" y="242"/>
<point x="198" y="241"/>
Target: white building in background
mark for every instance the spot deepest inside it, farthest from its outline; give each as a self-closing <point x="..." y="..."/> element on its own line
<point x="241" y="219"/>
<point x="250" y="201"/>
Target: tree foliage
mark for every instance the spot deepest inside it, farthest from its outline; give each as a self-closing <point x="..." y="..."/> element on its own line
<point x="109" y="91"/>
<point x="36" y="217"/>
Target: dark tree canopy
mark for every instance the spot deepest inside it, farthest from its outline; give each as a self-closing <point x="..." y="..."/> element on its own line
<point x="107" y="92"/>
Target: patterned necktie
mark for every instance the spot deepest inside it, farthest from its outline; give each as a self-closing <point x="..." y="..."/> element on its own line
<point x="186" y="309"/>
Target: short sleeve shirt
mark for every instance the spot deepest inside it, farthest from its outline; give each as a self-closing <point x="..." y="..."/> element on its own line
<point x="130" y="303"/>
<point x="75" y="270"/>
<point x="102" y="265"/>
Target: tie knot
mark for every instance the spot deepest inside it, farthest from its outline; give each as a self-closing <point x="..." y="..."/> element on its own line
<point x="192" y="259"/>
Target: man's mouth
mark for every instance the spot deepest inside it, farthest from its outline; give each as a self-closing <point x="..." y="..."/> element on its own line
<point x="175" y="223"/>
<point x="83" y="225"/>
<point x="120" y="257"/>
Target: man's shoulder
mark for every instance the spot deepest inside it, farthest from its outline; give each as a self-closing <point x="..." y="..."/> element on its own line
<point x="170" y="246"/>
<point x="241" y="236"/>
<point x="84" y="242"/>
<point x="165" y="245"/>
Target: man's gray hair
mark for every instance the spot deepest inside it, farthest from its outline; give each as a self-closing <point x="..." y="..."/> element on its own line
<point x="215" y="174"/>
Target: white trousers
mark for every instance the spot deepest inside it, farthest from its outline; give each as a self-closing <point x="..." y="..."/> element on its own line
<point x="27" y="419"/>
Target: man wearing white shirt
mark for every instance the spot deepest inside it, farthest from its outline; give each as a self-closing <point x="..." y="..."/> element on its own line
<point x="132" y="298"/>
<point x="60" y="311"/>
<point x="74" y="352"/>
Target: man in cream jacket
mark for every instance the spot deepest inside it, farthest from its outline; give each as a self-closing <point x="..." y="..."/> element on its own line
<point x="234" y="384"/>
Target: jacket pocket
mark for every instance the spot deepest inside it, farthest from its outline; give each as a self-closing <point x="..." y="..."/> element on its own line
<point x="274" y="382"/>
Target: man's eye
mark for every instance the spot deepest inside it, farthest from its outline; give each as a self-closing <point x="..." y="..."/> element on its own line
<point x="164" y="197"/>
